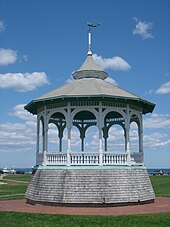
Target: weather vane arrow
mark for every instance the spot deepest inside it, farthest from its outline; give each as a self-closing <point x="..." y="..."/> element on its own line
<point x="90" y="26"/>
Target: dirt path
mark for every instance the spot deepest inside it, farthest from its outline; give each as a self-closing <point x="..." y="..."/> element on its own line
<point x="1" y="178"/>
<point x="17" y="181"/>
<point x="1" y="196"/>
<point x="161" y="205"/>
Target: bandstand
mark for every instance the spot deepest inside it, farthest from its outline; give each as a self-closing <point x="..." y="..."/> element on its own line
<point x="88" y="178"/>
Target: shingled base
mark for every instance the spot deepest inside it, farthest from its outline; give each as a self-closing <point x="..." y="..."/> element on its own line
<point x="90" y="187"/>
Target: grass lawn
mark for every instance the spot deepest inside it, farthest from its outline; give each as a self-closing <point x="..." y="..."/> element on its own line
<point x="18" y="177"/>
<point x="14" y="187"/>
<point x="17" y="184"/>
<point x="161" y="185"/>
<point x="13" y="219"/>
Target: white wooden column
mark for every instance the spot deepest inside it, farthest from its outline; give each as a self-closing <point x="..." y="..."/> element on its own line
<point x="127" y="129"/>
<point x="38" y="141"/>
<point x="69" y="134"/>
<point x="45" y="150"/>
<point x="140" y="133"/>
<point x="45" y="132"/>
<point x="38" y="135"/>
<point x="127" y="140"/>
<point x="100" y="126"/>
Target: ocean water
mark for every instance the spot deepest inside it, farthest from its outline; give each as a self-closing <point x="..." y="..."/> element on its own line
<point x="24" y="169"/>
<point x="153" y="170"/>
<point x="149" y="170"/>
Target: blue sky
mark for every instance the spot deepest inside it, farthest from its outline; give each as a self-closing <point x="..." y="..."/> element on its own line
<point x="43" y="42"/>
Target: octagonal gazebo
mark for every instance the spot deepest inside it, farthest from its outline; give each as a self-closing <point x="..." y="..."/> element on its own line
<point x="89" y="178"/>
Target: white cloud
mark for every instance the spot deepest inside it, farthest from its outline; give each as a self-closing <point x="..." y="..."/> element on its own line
<point x="7" y="56"/>
<point x="142" y="28"/>
<point x="157" y="121"/>
<point x="23" y="81"/>
<point x="156" y="140"/>
<point x="164" y="88"/>
<point x="69" y="80"/>
<point x="20" y="112"/>
<point x="16" y="137"/>
<point x="25" y="57"/>
<point x="114" y="63"/>
<point x="2" y="27"/>
<point x="21" y="136"/>
<point x="111" y="81"/>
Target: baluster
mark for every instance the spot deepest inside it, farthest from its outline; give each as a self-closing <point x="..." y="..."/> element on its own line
<point x="114" y="160"/>
<point x="111" y="161"/>
<point x="92" y="158"/>
<point x="118" y="159"/>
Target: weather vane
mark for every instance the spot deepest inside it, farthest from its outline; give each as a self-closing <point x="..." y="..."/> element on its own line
<point x="90" y="26"/>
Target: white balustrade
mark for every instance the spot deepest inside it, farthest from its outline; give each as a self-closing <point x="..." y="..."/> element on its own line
<point x="58" y="158"/>
<point x="90" y="158"/>
<point x="84" y="158"/>
<point x="115" y="158"/>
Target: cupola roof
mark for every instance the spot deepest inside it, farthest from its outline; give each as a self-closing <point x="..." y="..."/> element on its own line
<point x="90" y="69"/>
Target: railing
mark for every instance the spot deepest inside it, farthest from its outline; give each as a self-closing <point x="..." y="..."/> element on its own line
<point x="115" y="158"/>
<point x="89" y="158"/>
<point x="56" y="158"/>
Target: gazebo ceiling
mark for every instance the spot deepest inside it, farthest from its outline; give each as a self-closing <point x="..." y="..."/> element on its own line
<point x="84" y="115"/>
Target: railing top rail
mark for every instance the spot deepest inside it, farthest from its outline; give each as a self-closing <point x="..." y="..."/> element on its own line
<point x="88" y="152"/>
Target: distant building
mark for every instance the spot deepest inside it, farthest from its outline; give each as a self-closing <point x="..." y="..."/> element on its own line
<point x="89" y="178"/>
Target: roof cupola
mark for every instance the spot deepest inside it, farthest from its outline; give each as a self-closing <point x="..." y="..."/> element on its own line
<point x="90" y="69"/>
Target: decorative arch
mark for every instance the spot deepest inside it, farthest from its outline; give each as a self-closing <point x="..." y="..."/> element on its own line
<point x="53" y="141"/>
<point x="59" y="120"/>
<point x="63" y="112"/>
<point x="92" y="139"/>
<point x="40" y="134"/>
<point x="89" y="109"/>
<point x="83" y="120"/>
<point x="137" y="119"/>
<point x="121" y="112"/>
<point x="134" y="136"/>
<point x="116" y="139"/>
<point x="111" y="118"/>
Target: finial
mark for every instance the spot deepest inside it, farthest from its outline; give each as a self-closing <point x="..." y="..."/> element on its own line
<point x="90" y="26"/>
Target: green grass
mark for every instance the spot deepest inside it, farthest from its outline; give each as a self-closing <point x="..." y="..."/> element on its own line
<point x="16" y="190"/>
<point x="13" y="219"/>
<point x="18" y="177"/>
<point x="161" y="185"/>
<point x="15" y="187"/>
